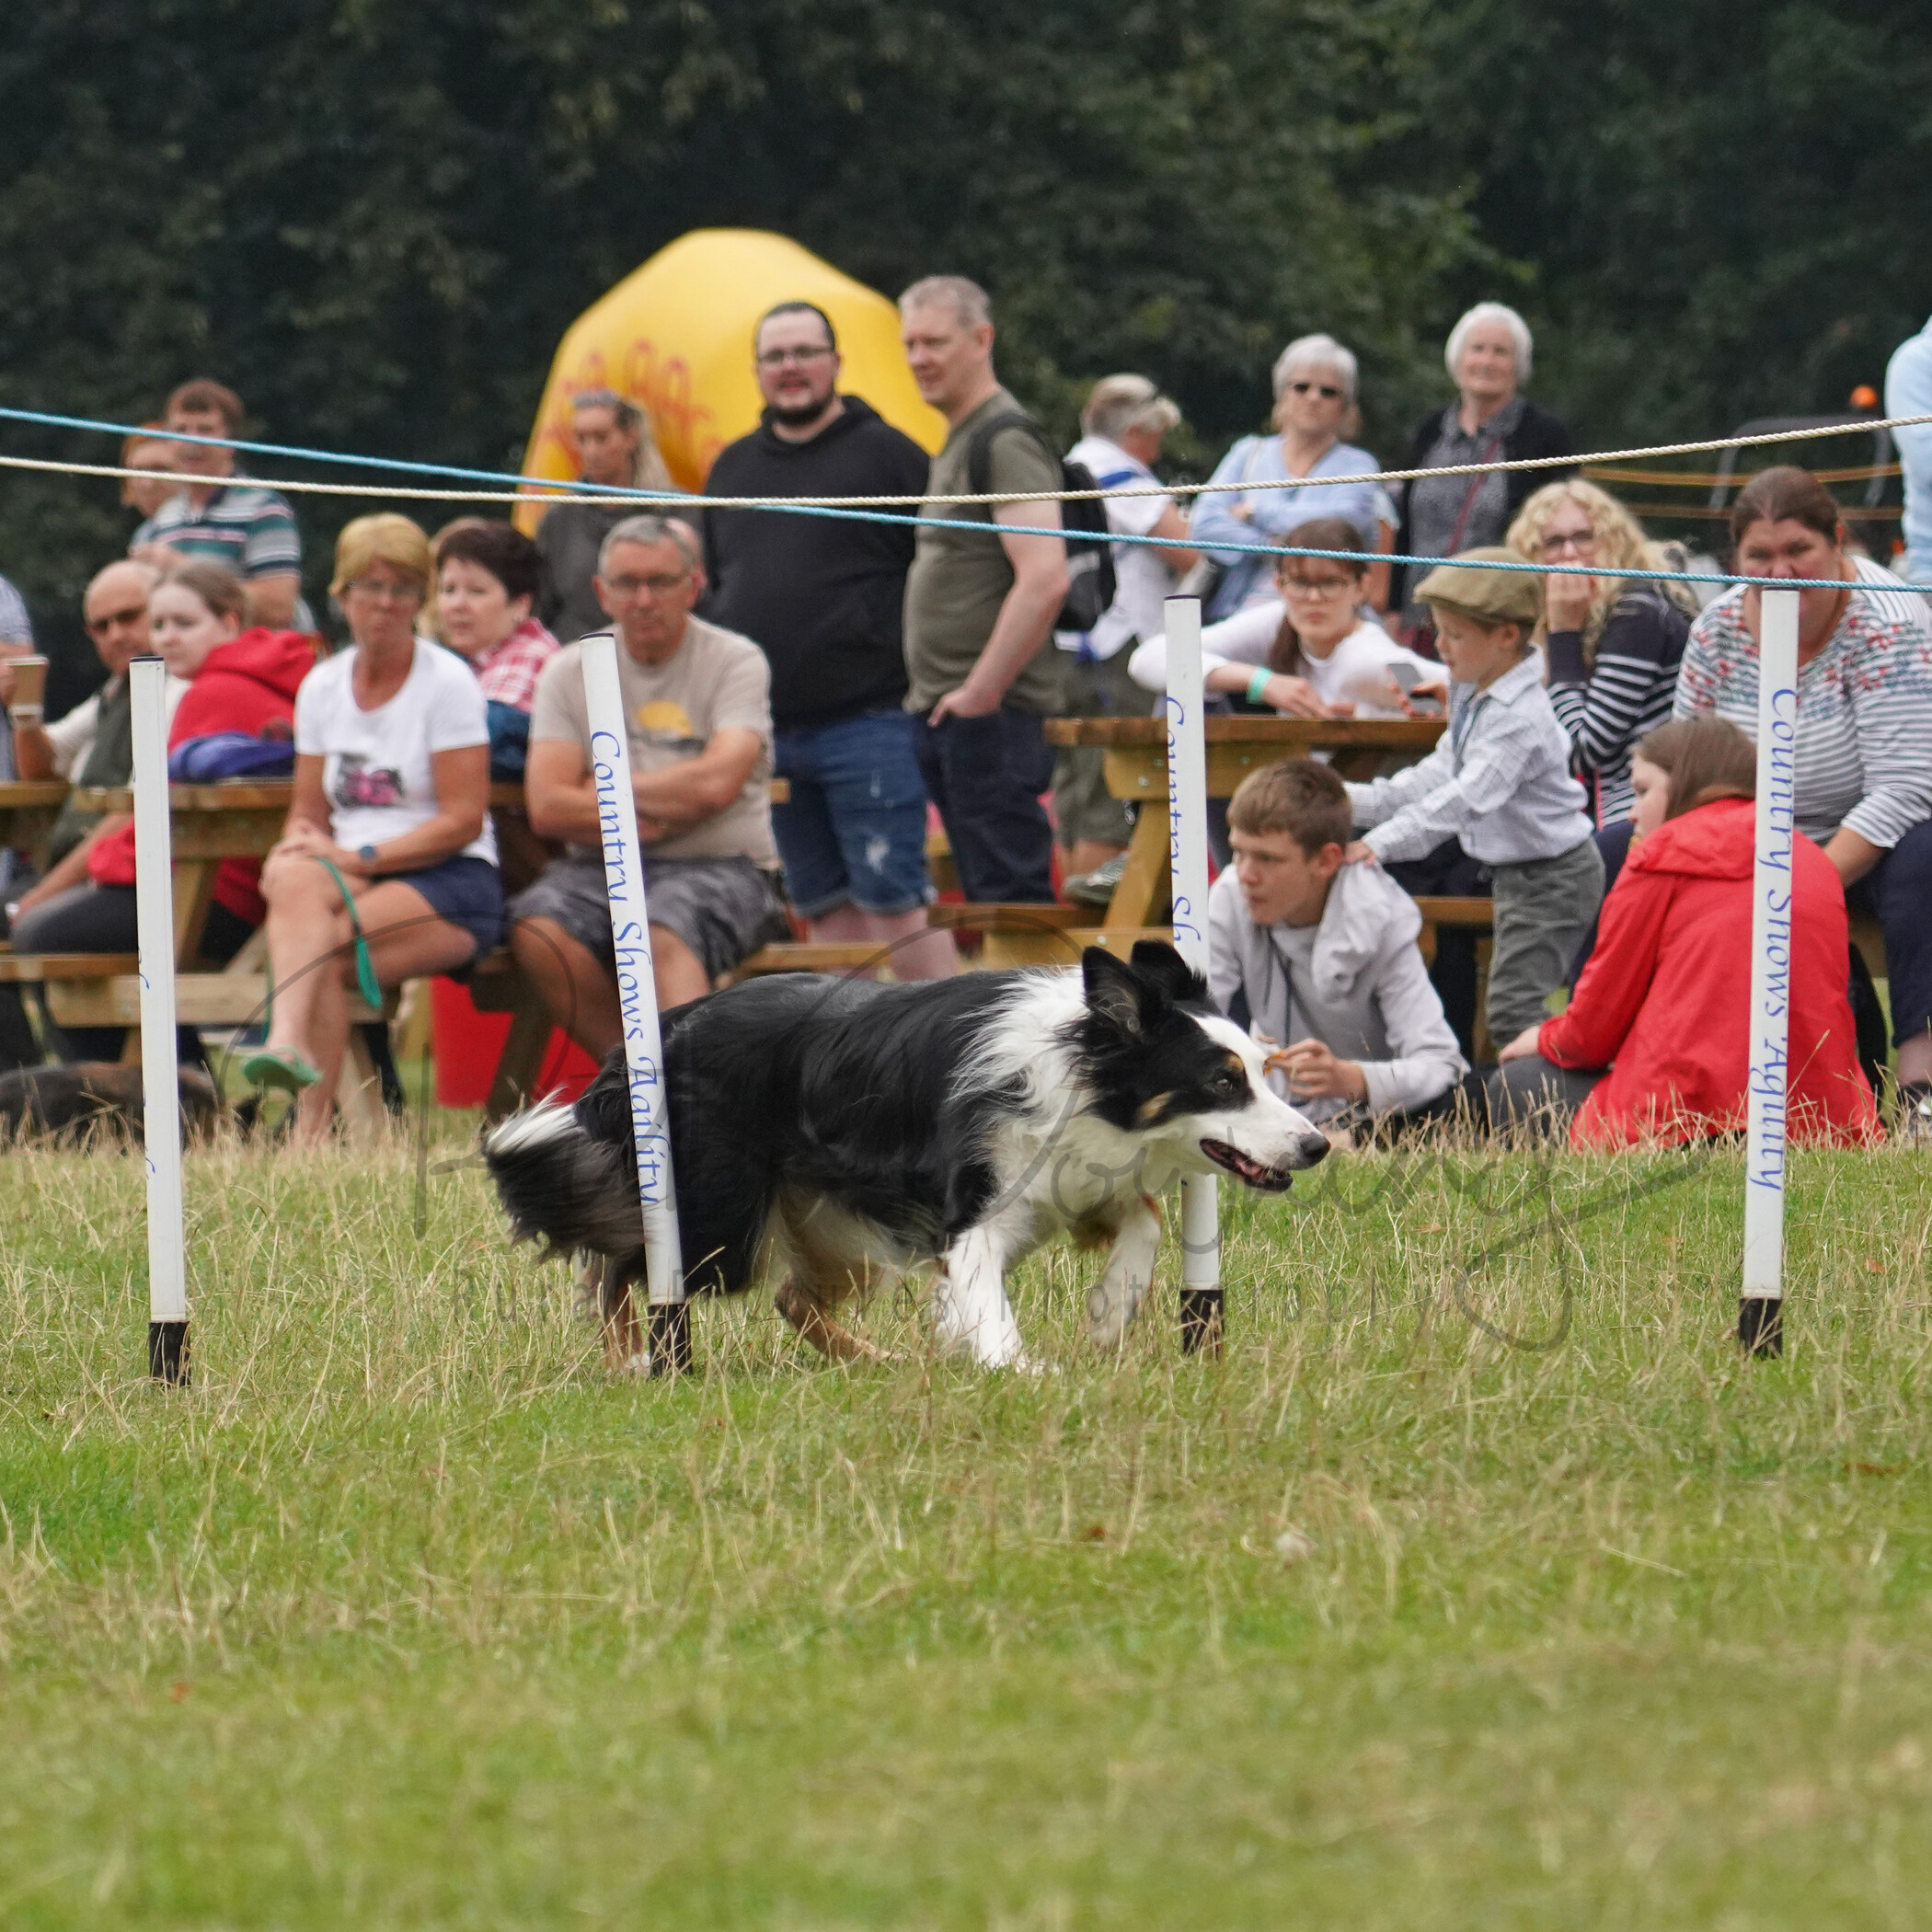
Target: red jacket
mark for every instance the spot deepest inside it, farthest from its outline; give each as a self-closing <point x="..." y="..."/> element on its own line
<point x="244" y="686"/>
<point x="1663" y="1002"/>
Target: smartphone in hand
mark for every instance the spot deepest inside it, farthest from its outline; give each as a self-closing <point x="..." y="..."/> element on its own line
<point x="1411" y="681"/>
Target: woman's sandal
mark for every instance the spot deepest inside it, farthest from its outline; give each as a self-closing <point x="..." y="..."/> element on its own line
<point x="283" y="1067"/>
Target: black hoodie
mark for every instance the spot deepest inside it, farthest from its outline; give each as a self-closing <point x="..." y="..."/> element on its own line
<point x="823" y="597"/>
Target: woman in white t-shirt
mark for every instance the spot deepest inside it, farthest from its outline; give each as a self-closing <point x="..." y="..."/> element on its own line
<point x="387" y="869"/>
<point x="1312" y="654"/>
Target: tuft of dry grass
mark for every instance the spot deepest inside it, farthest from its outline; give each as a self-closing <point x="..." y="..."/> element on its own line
<point x="1481" y="1583"/>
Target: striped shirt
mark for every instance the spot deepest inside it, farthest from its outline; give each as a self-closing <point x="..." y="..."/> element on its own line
<point x="508" y="671"/>
<point x="250" y="530"/>
<point x="1607" y="707"/>
<point x="1864" y="752"/>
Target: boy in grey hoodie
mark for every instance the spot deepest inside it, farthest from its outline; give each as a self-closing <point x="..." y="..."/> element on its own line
<point x="1320" y="958"/>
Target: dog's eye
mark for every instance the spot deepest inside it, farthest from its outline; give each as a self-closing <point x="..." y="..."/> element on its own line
<point x="1230" y="1083"/>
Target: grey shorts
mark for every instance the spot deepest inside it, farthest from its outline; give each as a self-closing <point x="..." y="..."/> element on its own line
<point x="723" y="909"/>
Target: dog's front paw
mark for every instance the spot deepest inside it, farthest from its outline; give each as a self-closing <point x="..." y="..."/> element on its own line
<point x="1111" y="1307"/>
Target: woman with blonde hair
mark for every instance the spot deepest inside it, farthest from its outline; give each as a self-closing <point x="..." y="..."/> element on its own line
<point x="387" y="869"/>
<point x="1613" y="644"/>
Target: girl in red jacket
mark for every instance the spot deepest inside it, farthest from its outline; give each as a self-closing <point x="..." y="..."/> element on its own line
<point x="236" y="680"/>
<point x="1655" y="1042"/>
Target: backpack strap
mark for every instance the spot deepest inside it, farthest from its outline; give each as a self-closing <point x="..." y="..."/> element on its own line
<point x="979" y="454"/>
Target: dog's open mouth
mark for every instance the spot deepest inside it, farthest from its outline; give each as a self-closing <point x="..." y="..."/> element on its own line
<point x="1272" y="1180"/>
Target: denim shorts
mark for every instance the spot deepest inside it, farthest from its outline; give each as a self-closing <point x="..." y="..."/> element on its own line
<point x="853" y="829"/>
<point x="467" y="892"/>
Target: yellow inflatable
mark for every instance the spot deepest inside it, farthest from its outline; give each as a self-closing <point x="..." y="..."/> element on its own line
<point x="675" y="336"/>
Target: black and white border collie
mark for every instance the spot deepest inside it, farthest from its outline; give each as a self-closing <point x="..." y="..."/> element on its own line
<point x="856" y="1133"/>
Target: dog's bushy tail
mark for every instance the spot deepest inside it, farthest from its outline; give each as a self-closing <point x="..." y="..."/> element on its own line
<point x="562" y="1186"/>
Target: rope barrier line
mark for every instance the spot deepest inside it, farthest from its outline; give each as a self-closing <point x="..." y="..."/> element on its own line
<point x="808" y="506"/>
<point x="527" y="485"/>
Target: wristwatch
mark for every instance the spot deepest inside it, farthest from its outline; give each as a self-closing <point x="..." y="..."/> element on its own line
<point x="367" y="853"/>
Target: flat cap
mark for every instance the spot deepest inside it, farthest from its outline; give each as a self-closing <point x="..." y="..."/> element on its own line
<point x="1489" y="597"/>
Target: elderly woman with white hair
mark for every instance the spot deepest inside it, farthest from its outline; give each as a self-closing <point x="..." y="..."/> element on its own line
<point x="1125" y="421"/>
<point x="1487" y="356"/>
<point x="1314" y="396"/>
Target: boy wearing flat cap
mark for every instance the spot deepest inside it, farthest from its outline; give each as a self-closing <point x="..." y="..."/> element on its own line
<point x="1499" y="781"/>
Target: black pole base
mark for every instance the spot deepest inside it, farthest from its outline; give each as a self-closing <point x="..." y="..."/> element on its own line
<point x="1202" y="1327"/>
<point x="168" y="1352"/>
<point x="668" y="1329"/>
<point x="1761" y="1325"/>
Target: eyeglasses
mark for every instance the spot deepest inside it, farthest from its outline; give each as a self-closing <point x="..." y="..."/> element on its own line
<point x="1558" y="541"/>
<point x="1317" y="586"/>
<point x="626" y="587"/>
<point x="100" y="627"/>
<point x="778" y="358"/>
<point x="1327" y="391"/>
<point x="378" y="591"/>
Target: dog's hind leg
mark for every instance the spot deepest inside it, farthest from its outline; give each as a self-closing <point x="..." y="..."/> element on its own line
<point x="815" y="1322"/>
<point x="1114" y="1300"/>
<point x="832" y="1254"/>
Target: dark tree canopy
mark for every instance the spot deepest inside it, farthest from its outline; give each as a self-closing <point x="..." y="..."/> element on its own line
<point x="376" y="221"/>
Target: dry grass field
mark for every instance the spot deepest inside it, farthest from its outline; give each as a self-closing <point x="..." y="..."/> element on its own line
<point x="1480" y="1585"/>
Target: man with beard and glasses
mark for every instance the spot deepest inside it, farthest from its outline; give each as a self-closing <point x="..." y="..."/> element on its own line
<point x="822" y="597"/>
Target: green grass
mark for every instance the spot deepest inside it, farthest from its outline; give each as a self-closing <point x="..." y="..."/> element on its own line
<point x="409" y="1616"/>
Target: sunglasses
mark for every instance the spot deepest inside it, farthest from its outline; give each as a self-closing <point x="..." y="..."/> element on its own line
<point x="1327" y="391"/>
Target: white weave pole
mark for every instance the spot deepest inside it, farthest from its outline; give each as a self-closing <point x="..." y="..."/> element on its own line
<point x="1761" y="1306"/>
<point x="160" y="1083"/>
<point x="1200" y="1301"/>
<point x="668" y="1328"/>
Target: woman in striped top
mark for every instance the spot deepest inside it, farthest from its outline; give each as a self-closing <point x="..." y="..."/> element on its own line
<point x="1613" y="644"/>
<point x="1864" y="752"/>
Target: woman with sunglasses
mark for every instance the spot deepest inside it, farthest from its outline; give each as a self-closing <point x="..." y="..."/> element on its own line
<point x="1314" y="396"/>
<point x="387" y="867"/>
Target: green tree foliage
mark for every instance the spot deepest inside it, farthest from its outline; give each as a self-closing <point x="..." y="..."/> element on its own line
<point x="375" y="220"/>
<point x="1718" y="212"/>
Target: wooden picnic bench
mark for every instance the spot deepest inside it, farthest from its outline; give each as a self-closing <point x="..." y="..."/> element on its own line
<point x="1136" y="770"/>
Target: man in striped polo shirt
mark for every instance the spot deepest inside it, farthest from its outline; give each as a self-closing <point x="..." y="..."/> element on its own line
<point x="223" y="517"/>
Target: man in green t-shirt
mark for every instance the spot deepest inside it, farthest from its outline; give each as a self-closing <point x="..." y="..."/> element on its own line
<point x="979" y="604"/>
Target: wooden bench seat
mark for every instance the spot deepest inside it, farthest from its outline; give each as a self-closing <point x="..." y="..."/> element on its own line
<point x="808" y="956"/>
<point x="31" y="969"/>
<point x="1475" y="912"/>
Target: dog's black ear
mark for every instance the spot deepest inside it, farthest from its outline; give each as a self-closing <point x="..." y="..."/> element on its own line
<point x="1156" y="960"/>
<point x="1114" y="991"/>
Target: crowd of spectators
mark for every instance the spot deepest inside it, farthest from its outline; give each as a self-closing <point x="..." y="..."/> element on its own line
<point x="1592" y="777"/>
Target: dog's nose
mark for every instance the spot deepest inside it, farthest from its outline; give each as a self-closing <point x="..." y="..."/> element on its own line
<point x="1313" y="1147"/>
